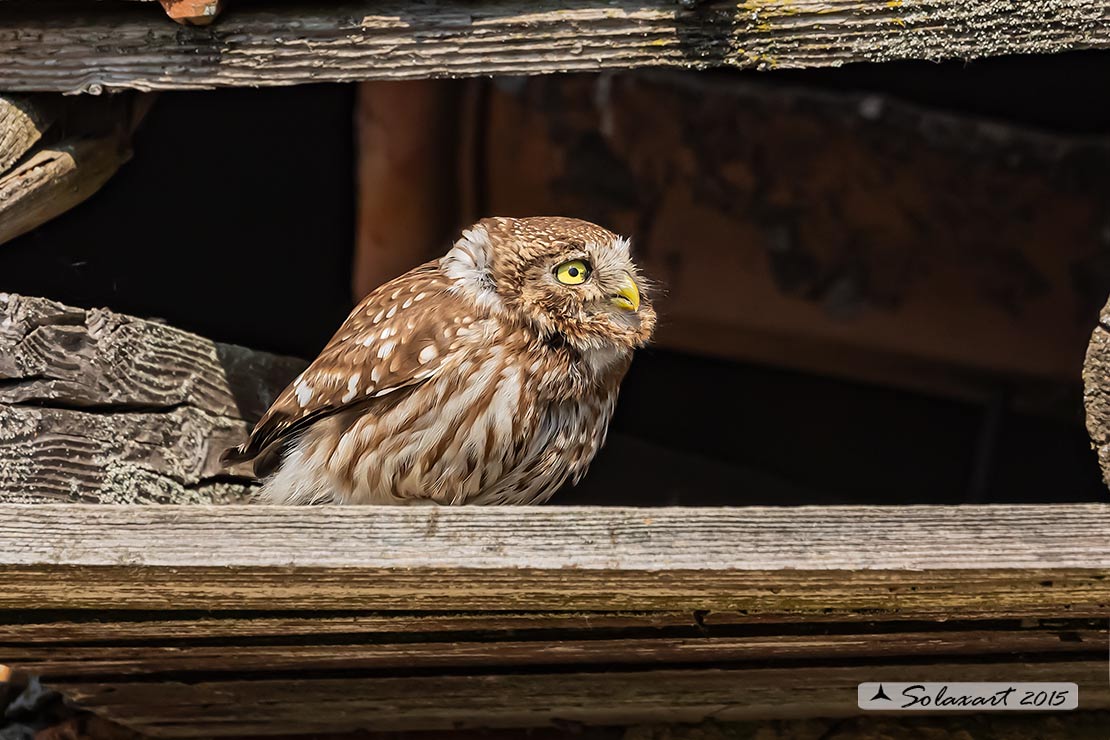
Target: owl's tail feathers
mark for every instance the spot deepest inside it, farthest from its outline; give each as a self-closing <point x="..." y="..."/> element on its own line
<point x="237" y="460"/>
<point x="235" y="455"/>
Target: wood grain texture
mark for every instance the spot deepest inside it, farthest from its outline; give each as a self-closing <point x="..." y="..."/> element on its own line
<point x="178" y="657"/>
<point x="55" y="179"/>
<point x="1096" y="391"/>
<point x="22" y="123"/>
<point x="230" y="708"/>
<point x="125" y="46"/>
<point x="838" y="562"/>
<point x="100" y="407"/>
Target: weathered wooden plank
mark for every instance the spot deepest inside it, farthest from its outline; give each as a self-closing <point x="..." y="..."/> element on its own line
<point x="55" y="179"/>
<point x="125" y="46"/>
<point x="228" y="708"/>
<point x="100" y="407"/>
<point x="22" y="123"/>
<point x="1096" y="390"/>
<point x="151" y="659"/>
<point x="30" y="629"/>
<point x="840" y="562"/>
<point x="1001" y="726"/>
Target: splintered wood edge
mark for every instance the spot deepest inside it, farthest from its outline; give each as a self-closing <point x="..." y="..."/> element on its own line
<point x="364" y="40"/>
<point x="928" y="561"/>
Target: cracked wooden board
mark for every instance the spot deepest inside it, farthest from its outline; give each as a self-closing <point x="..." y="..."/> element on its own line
<point x="824" y="563"/>
<point x="1096" y="391"/>
<point x="23" y="120"/>
<point x="126" y="46"/>
<point x="589" y="697"/>
<point x="99" y="407"/>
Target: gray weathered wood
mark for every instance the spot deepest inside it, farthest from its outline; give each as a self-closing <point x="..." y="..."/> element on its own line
<point x="831" y="563"/>
<point x="55" y="179"/>
<point x="100" y="407"/>
<point x="1096" y="391"/>
<point x="126" y="46"/>
<point x="22" y="123"/>
<point x="453" y="653"/>
<point x="41" y="183"/>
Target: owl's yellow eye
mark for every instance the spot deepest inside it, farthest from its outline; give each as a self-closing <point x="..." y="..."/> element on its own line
<point x="572" y="272"/>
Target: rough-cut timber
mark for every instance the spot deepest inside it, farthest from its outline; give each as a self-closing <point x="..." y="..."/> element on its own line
<point x="1096" y="391"/>
<point x="847" y="563"/>
<point x="125" y="46"/>
<point x="55" y="179"/>
<point x="22" y="123"/>
<point x="238" y="621"/>
<point x="105" y="408"/>
<point x="61" y="172"/>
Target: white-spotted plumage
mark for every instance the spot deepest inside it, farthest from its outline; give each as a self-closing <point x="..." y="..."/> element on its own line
<point x="474" y="379"/>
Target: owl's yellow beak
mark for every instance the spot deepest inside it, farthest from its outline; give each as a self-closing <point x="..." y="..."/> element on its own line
<point x="628" y="297"/>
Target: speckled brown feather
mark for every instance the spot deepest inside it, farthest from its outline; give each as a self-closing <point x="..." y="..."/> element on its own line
<point x="475" y="378"/>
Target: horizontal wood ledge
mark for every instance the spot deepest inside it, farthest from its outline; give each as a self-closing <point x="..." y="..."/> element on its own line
<point x="835" y="562"/>
<point x="126" y="46"/>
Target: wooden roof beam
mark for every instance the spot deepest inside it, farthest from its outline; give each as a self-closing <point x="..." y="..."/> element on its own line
<point x="124" y="46"/>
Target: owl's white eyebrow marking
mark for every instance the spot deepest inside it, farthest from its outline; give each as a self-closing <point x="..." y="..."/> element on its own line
<point x="352" y="388"/>
<point x="428" y="354"/>
<point x="385" y="349"/>
<point x="304" y="393"/>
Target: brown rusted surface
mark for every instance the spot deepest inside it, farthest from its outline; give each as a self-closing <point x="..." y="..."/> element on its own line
<point x="842" y="233"/>
<point x="192" y="12"/>
<point x="408" y="181"/>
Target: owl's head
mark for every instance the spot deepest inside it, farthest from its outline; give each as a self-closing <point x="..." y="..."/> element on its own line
<point x="563" y="277"/>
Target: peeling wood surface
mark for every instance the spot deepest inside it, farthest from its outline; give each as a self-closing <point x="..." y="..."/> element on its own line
<point x="54" y="180"/>
<point x="89" y="142"/>
<point x="423" y="618"/>
<point x="591" y="647"/>
<point x="849" y="562"/>
<point x="104" y="408"/>
<point x="22" y="123"/>
<point x="230" y="708"/>
<point x="1096" y="391"/>
<point x="125" y="46"/>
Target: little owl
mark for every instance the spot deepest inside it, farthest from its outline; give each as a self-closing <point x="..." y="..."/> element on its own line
<point x="487" y="376"/>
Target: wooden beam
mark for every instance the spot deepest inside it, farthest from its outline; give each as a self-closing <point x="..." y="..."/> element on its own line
<point x="22" y="123"/>
<point x="54" y="180"/>
<point x="60" y="174"/>
<point x="100" y="407"/>
<point x="408" y="182"/>
<point x="819" y="563"/>
<point x="444" y="702"/>
<point x="1096" y="391"/>
<point x="94" y="49"/>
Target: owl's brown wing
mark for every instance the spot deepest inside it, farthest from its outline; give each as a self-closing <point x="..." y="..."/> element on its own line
<point x="400" y="335"/>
